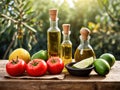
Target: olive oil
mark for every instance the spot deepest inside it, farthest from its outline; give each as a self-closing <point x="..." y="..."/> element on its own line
<point x="83" y="54"/>
<point x="66" y="53"/>
<point x="53" y="35"/>
<point x="53" y="43"/>
<point x="84" y="50"/>
<point x="66" y="46"/>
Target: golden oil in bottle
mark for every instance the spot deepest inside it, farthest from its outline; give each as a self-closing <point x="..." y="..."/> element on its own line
<point x="66" y="46"/>
<point x="53" y="43"/>
<point x="84" y="50"/>
<point x="53" y="35"/>
<point x="83" y="53"/>
<point x="66" y="53"/>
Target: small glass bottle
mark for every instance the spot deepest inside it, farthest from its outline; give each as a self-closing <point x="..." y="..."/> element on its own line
<point x="84" y="50"/>
<point x="66" y="46"/>
<point x="53" y="35"/>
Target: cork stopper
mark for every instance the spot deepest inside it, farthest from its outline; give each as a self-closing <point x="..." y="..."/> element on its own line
<point x="66" y="28"/>
<point x="53" y="14"/>
<point x="84" y="33"/>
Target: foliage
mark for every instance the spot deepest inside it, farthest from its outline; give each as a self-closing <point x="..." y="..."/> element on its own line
<point x="26" y="22"/>
<point x="106" y="28"/>
<point x="14" y="16"/>
<point x="112" y="9"/>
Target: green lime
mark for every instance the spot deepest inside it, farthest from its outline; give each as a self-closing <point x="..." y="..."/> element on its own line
<point x="101" y="67"/>
<point x="109" y="58"/>
<point x="42" y="54"/>
<point x="84" y="63"/>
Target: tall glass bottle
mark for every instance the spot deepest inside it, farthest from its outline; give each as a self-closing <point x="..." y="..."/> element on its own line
<point x="53" y="35"/>
<point x="84" y="50"/>
<point x="66" y="46"/>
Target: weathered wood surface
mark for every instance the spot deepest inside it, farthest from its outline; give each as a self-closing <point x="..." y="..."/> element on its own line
<point x="93" y="82"/>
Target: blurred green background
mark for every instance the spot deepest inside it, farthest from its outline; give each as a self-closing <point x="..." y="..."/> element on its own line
<point x="24" y="23"/>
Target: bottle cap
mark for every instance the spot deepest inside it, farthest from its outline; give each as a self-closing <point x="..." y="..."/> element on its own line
<point x="84" y="33"/>
<point x="66" y="28"/>
<point x="53" y="14"/>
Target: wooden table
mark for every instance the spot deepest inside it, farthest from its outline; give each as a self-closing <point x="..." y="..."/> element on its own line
<point x="93" y="82"/>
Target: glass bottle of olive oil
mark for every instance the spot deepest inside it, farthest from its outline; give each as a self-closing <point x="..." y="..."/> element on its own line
<point x="53" y="35"/>
<point x="84" y="50"/>
<point x="66" y="46"/>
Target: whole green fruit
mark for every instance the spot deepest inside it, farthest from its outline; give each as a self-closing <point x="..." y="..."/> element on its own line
<point x="101" y="67"/>
<point x="109" y="58"/>
<point x="42" y="54"/>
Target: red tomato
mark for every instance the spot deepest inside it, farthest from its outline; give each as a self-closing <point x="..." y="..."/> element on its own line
<point x="16" y="67"/>
<point x="36" y="67"/>
<point x="55" y="65"/>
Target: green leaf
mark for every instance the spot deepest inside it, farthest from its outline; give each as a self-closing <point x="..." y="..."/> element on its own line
<point x="26" y="5"/>
<point x="32" y="29"/>
<point x="16" y="8"/>
<point x="100" y="3"/>
<point x="18" y="1"/>
<point x="105" y="2"/>
<point x="8" y="1"/>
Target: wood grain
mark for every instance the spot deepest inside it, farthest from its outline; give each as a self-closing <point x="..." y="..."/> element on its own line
<point x="93" y="82"/>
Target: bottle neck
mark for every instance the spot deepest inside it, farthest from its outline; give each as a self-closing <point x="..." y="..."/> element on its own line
<point x="85" y="42"/>
<point x="66" y="37"/>
<point x="54" y="24"/>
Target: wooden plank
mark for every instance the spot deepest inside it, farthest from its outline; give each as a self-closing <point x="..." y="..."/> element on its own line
<point x="57" y="85"/>
<point x="93" y="82"/>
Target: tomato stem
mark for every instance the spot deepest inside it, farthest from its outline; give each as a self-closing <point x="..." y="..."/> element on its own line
<point x="53" y="61"/>
<point x="15" y="61"/>
<point x="34" y="63"/>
